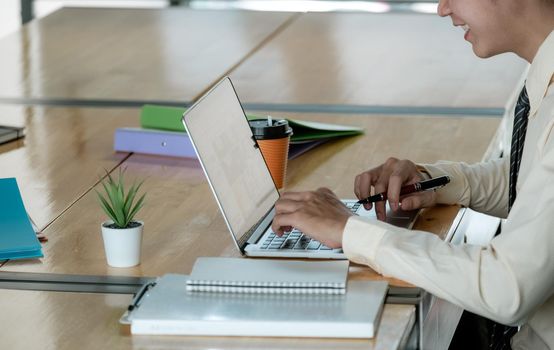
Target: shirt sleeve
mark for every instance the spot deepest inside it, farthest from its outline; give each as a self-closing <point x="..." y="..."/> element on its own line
<point x="481" y="186"/>
<point x="505" y="281"/>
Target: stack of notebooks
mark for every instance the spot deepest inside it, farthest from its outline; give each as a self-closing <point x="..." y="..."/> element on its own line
<point x="163" y="133"/>
<point x="18" y="239"/>
<point x="10" y="133"/>
<point x="254" y="297"/>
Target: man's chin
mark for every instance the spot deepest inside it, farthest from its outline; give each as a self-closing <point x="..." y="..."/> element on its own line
<point x="485" y="53"/>
<point x="481" y="55"/>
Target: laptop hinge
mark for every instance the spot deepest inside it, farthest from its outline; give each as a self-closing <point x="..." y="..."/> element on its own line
<point x="258" y="230"/>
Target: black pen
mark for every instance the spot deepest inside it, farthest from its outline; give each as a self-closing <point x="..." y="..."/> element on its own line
<point x="138" y="295"/>
<point x="416" y="187"/>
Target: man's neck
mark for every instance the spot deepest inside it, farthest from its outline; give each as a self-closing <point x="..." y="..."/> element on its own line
<point x="536" y="27"/>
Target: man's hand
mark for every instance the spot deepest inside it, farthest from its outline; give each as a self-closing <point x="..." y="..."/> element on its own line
<point x="389" y="177"/>
<point x="320" y="215"/>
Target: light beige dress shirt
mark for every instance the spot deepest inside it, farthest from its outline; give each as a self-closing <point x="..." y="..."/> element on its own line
<point x="511" y="280"/>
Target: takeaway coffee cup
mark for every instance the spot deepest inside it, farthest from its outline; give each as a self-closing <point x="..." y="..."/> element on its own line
<point x="273" y="138"/>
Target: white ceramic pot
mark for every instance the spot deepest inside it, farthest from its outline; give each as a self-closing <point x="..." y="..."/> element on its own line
<point x="122" y="245"/>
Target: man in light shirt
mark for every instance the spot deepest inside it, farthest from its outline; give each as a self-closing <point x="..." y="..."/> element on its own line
<point x="511" y="281"/>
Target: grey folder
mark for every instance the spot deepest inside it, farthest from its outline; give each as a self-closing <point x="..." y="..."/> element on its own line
<point x="169" y="309"/>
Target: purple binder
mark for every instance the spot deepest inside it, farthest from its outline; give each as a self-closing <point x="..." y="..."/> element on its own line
<point x="177" y="143"/>
<point x="164" y="143"/>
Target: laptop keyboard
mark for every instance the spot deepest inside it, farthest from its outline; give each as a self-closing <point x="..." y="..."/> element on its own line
<point x="296" y="240"/>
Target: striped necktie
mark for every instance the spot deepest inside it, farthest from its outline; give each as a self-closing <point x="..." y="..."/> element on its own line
<point x="518" y="140"/>
<point x="501" y="334"/>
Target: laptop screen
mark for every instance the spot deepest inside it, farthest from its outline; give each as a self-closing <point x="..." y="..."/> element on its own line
<point x="236" y="170"/>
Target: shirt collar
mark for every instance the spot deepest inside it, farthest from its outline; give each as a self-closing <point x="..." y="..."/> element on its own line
<point x="540" y="73"/>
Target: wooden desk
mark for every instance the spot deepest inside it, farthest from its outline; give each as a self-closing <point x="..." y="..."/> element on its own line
<point x="63" y="154"/>
<point x="90" y="321"/>
<point x="181" y="217"/>
<point x="129" y="54"/>
<point x="183" y="222"/>
<point x="375" y="59"/>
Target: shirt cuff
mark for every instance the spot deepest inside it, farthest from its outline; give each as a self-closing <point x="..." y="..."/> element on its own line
<point x="453" y="192"/>
<point x="361" y="239"/>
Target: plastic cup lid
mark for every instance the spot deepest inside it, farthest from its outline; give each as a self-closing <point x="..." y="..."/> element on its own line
<point x="262" y="130"/>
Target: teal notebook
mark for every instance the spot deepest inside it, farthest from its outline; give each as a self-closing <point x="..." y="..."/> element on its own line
<point x="169" y="118"/>
<point x="18" y="240"/>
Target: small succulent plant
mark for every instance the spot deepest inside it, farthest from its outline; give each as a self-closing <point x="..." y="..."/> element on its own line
<point x="120" y="207"/>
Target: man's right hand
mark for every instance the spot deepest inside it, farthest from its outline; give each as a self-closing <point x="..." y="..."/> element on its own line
<point x="389" y="177"/>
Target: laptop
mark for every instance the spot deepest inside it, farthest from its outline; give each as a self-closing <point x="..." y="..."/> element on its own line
<point x="241" y="182"/>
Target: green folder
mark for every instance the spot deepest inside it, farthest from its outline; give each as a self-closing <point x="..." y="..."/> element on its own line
<point x="162" y="117"/>
<point x="169" y="118"/>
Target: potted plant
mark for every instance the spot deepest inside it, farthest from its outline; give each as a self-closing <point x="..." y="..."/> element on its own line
<point x="122" y="234"/>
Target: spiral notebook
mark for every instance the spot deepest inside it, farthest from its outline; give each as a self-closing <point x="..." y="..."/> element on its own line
<point x="266" y="276"/>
